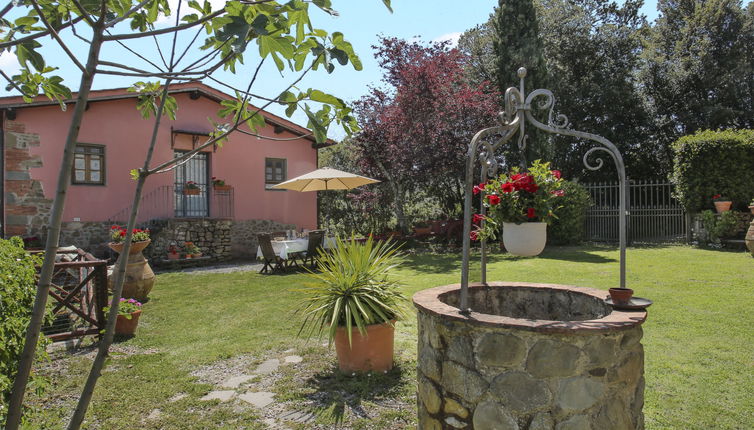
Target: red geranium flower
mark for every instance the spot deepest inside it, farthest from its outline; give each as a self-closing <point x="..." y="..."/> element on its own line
<point x="556" y="173"/>
<point x="115" y="227"/>
<point x="122" y="233"/>
<point x="716" y="196"/>
<point x="530" y="213"/>
<point x="477" y="219"/>
<point x="493" y="199"/>
<point x="559" y="193"/>
<point x="474" y="236"/>
<point x="507" y="187"/>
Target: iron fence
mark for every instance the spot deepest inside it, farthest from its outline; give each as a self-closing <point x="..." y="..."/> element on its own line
<point x="170" y="201"/>
<point x="654" y="215"/>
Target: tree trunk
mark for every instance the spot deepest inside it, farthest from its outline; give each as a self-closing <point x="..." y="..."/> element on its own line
<point x="398" y="205"/>
<point x="53" y="236"/>
<point x="99" y="361"/>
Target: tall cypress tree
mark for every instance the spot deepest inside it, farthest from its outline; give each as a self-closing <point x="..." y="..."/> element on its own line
<point x="516" y="43"/>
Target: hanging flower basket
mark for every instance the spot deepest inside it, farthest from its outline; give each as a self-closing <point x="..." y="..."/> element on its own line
<point x="526" y="239"/>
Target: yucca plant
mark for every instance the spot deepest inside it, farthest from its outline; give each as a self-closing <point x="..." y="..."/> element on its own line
<point x="353" y="289"/>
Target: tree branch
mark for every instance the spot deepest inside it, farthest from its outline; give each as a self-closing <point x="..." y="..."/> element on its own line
<point x="57" y="37"/>
<point x="44" y="33"/>
<point x="165" y="30"/>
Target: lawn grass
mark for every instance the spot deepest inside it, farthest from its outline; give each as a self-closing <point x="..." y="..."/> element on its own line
<point x="698" y="344"/>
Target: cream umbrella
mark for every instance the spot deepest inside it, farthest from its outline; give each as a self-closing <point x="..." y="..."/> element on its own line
<point x="325" y="178"/>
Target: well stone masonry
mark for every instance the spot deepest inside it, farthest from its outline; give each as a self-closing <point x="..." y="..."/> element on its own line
<point x="530" y="357"/>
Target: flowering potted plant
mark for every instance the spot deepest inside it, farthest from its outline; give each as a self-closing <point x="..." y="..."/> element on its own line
<point x="192" y="251"/>
<point x="191" y="188"/>
<point x="139" y="239"/>
<point x="722" y="203"/>
<point x="219" y="184"/>
<point x="523" y="203"/>
<point x="129" y="311"/>
<point x="173" y="252"/>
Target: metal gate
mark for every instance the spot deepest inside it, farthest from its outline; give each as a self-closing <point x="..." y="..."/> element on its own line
<point x="195" y="170"/>
<point x="654" y="215"/>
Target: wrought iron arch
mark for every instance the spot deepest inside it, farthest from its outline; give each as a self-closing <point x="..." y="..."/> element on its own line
<point x="518" y="111"/>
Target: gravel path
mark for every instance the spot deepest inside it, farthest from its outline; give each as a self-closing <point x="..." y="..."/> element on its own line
<point x="223" y="268"/>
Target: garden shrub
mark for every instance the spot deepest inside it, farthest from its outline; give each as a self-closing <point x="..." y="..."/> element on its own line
<point x="714" y="162"/>
<point x="18" y="288"/>
<point x="568" y="227"/>
<point x="729" y="224"/>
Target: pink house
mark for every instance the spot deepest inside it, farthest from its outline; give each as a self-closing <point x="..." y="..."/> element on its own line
<point x="114" y="139"/>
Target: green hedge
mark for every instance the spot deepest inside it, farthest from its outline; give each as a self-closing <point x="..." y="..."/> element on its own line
<point x="17" y="290"/>
<point x="568" y="228"/>
<point x="714" y="162"/>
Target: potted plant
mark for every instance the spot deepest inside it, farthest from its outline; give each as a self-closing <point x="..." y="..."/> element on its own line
<point x="522" y="203"/>
<point x="129" y="311"/>
<point x="219" y="184"/>
<point x="173" y="252"/>
<point x="751" y="206"/>
<point x="722" y="203"/>
<point x="139" y="239"/>
<point x="192" y="251"/>
<point x="191" y="188"/>
<point x="354" y="300"/>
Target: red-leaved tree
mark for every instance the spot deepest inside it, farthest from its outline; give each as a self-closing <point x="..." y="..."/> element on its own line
<point x="416" y="130"/>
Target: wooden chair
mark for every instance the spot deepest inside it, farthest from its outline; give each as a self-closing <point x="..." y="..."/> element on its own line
<point x="272" y="261"/>
<point x="316" y="239"/>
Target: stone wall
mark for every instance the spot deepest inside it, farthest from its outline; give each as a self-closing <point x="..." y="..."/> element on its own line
<point x="212" y="236"/>
<point x="244" y="235"/>
<point x="27" y="211"/>
<point x="498" y="372"/>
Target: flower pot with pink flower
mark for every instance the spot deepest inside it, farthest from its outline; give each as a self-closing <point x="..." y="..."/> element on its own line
<point x="129" y="311"/>
<point x="522" y="203"/>
<point x="220" y="185"/>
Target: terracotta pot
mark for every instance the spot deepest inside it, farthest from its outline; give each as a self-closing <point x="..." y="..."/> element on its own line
<point x="621" y="296"/>
<point x="222" y="187"/>
<point x="750" y="238"/>
<point x="172" y="256"/>
<point x="139" y="275"/>
<point x="526" y="239"/>
<point x="751" y="208"/>
<point x="136" y="247"/>
<point x="373" y="352"/>
<point x="723" y="206"/>
<point x="191" y="191"/>
<point x="422" y="231"/>
<point x="125" y="326"/>
<point x="189" y="256"/>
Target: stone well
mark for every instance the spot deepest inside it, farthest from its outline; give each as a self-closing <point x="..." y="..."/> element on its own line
<point x="530" y="357"/>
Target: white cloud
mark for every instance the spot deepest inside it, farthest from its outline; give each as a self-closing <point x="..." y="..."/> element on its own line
<point x="9" y="63"/>
<point x="452" y="37"/>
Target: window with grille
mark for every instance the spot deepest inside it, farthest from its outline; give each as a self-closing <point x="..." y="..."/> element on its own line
<point x="88" y="164"/>
<point x="274" y="171"/>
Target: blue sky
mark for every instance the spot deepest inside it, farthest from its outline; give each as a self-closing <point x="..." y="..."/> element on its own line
<point x="361" y="21"/>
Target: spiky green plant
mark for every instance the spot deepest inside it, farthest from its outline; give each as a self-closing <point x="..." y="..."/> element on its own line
<point x="353" y="288"/>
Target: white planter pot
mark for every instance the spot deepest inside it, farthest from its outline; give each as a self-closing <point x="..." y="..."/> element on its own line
<point x="526" y="239"/>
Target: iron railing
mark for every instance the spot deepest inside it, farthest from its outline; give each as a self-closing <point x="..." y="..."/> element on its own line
<point x="654" y="215"/>
<point x="170" y="201"/>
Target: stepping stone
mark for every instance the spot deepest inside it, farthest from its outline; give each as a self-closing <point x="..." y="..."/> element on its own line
<point x="177" y="397"/>
<point x="222" y="396"/>
<point x="155" y="414"/>
<point x="289" y="351"/>
<point x="298" y="416"/>
<point x="293" y="359"/>
<point x="268" y="366"/>
<point x="236" y="381"/>
<point x="259" y="399"/>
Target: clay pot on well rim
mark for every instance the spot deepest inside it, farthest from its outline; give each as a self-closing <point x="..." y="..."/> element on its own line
<point x="526" y="239"/>
<point x="621" y="296"/>
<point x="373" y="352"/>
<point x="125" y="326"/>
<point x="723" y="206"/>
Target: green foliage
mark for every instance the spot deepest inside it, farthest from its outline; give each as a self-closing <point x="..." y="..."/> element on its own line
<point x="353" y="288"/>
<point x="126" y="307"/>
<point x="714" y="162"/>
<point x="150" y="97"/>
<point x="17" y="292"/>
<point x="568" y="226"/>
<point x="723" y="226"/>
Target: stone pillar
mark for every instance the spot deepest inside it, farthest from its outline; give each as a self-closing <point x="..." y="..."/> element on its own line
<point x="582" y="368"/>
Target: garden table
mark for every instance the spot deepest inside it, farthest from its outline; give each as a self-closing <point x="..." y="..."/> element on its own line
<point x="292" y="246"/>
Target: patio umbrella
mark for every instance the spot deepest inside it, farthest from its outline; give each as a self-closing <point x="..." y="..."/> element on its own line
<point x="325" y="178"/>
